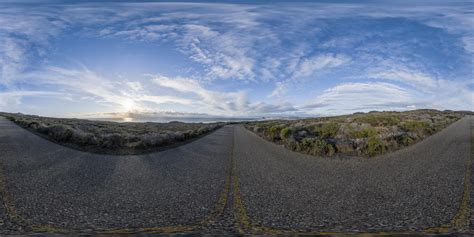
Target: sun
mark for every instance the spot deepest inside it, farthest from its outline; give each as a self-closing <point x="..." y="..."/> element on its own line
<point x="128" y="105"/>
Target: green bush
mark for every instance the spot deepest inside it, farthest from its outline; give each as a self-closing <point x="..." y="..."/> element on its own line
<point x="329" y="129"/>
<point x="365" y="132"/>
<point x="371" y="133"/>
<point x="379" y="119"/>
<point x="330" y="150"/>
<point x="285" y="133"/>
<point x="375" y="146"/>
<point x="324" y="130"/>
<point x="315" y="146"/>
<point x="274" y="132"/>
<point x="306" y="143"/>
<point x="404" y="140"/>
<point x="415" y="126"/>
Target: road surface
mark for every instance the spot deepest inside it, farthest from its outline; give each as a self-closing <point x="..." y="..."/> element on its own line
<point x="233" y="181"/>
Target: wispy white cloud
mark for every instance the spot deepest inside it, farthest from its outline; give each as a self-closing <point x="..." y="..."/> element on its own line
<point x="468" y="43"/>
<point x="23" y="39"/>
<point x="350" y="97"/>
<point x="280" y="88"/>
<point x="88" y="85"/>
<point x="361" y="96"/>
<point x="11" y="99"/>
<point x="308" y="66"/>
<point x="418" y="80"/>
<point x="242" y="42"/>
<point x="222" y="103"/>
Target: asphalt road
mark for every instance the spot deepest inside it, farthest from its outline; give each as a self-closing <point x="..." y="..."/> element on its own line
<point x="412" y="189"/>
<point x="269" y="190"/>
<point x="54" y="185"/>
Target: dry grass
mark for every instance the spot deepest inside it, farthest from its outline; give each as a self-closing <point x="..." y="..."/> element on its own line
<point x="359" y="134"/>
<point x="112" y="137"/>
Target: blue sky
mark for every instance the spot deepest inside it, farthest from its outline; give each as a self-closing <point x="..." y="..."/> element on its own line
<point x="239" y="59"/>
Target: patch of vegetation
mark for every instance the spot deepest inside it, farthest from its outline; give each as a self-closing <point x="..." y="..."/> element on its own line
<point x="285" y="133"/>
<point x="375" y="146"/>
<point x="378" y="119"/>
<point x="112" y="137"/>
<point x="326" y="130"/>
<point x="363" y="134"/>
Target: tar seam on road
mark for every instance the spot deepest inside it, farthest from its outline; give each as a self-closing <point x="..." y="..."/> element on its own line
<point x="459" y="223"/>
<point x="213" y="216"/>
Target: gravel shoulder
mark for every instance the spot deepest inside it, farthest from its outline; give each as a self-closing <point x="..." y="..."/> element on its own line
<point x="409" y="190"/>
<point x="54" y="185"/>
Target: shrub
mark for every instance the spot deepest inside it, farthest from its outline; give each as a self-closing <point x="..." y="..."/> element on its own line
<point x="111" y="137"/>
<point x="274" y="132"/>
<point x="344" y="147"/>
<point x="59" y="133"/>
<point x="404" y="140"/>
<point x="112" y="141"/>
<point x="319" y="147"/>
<point x="306" y="143"/>
<point x="414" y="125"/>
<point x="361" y="133"/>
<point x="257" y="129"/>
<point x="379" y="119"/>
<point x="329" y="130"/>
<point x="418" y="126"/>
<point x="83" y="138"/>
<point x="179" y="136"/>
<point x="285" y="133"/>
<point x="315" y="146"/>
<point x="375" y="146"/>
<point x="330" y="150"/>
<point x="364" y="133"/>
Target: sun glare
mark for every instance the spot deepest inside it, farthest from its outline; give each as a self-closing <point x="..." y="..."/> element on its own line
<point x="128" y="105"/>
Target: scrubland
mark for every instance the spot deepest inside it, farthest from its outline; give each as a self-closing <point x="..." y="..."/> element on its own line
<point x="359" y="134"/>
<point x="112" y="137"/>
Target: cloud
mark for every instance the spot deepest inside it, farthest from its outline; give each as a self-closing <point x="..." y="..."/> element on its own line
<point x="23" y="39"/>
<point x="309" y="66"/>
<point x="161" y="116"/>
<point x="412" y="78"/>
<point x="468" y="43"/>
<point x="86" y="84"/>
<point x="347" y="97"/>
<point x="271" y="43"/>
<point x="280" y="88"/>
<point x="357" y="96"/>
<point x="11" y="98"/>
<point x="221" y="103"/>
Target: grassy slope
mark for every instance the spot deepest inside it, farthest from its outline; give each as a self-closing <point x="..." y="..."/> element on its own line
<point x="361" y="134"/>
<point x="111" y="137"/>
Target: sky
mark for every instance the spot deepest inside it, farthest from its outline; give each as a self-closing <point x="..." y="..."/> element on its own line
<point x="234" y="59"/>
